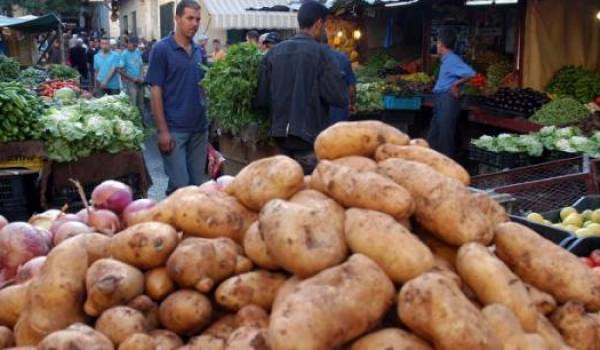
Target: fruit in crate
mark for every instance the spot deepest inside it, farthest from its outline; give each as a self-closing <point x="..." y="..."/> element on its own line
<point x="584" y="224"/>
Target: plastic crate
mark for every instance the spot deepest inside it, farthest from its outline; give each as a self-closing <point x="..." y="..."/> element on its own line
<point x="551" y="233"/>
<point x="584" y="246"/>
<point x="18" y="195"/>
<point x="402" y="103"/>
<point x="501" y="160"/>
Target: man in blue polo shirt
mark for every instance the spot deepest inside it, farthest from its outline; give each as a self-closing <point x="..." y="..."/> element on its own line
<point x="178" y="101"/>
<point x="131" y="73"/>
<point x="106" y="65"/>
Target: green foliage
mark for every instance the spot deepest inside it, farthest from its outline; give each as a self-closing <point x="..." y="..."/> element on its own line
<point x="68" y="8"/>
<point x="230" y="85"/>
<point x="32" y="77"/>
<point x="19" y="113"/>
<point x="62" y="72"/>
<point x="369" y="97"/>
<point x="577" y="82"/>
<point x="560" y="112"/>
<point x="496" y="72"/>
<point x="9" y="68"/>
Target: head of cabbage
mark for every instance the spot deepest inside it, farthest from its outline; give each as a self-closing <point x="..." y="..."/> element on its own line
<point x="66" y="96"/>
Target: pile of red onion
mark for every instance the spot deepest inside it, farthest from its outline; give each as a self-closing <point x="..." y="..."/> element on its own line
<point x="19" y="243"/>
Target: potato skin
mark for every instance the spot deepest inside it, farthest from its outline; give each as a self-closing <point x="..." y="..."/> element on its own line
<point x="502" y="321"/>
<point x="444" y="206"/>
<point x="248" y="338"/>
<point x="579" y="330"/>
<point x="96" y="244"/>
<point x="158" y="284"/>
<point x="266" y="179"/>
<point x="7" y="338"/>
<point x="543" y="301"/>
<point x="550" y="334"/>
<point x="252" y="316"/>
<point x="357" y="163"/>
<point x="138" y="341"/>
<point x="165" y="339"/>
<point x="366" y="190"/>
<point x="119" y="322"/>
<point x="356" y="139"/>
<point x="185" y="312"/>
<point x="304" y="239"/>
<point x="433" y="307"/>
<point x="390" y="339"/>
<point x="303" y="319"/>
<point x="76" y="336"/>
<point x="205" y="342"/>
<point x="201" y="263"/>
<point x="109" y="283"/>
<point x="438" y="161"/>
<point x="547" y="266"/>
<point x="12" y="303"/>
<point x="146" y="245"/>
<point x="493" y="282"/>
<point x="525" y="342"/>
<point x="255" y="248"/>
<point x="148" y="308"/>
<point x="397" y="251"/>
<point x="256" y="287"/>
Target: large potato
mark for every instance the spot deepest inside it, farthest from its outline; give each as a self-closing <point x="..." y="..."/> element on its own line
<point x="397" y="251"/>
<point x="148" y="308"/>
<point x="390" y="339"/>
<point x="185" y="312"/>
<point x="165" y="339"/>
<point x="252" y="316"/>
<point x="547" y="266"/>
<point x="579" y="330"/>
<point x="438" y="247"/>
<point x="96" y="244"/>
<point x="304" y="239"/>
<point x="444" y="206"/>
<point x="356" y="139"/>
<point x="158" y="284"/>
<point x="494" y="283"/>
<point x="7" y="338"/>
<point x="433" y="307"/>
<point x="255" y="287"/>
<point x="201" y="263"/>
<point x="330" y="309"/>
<point x="205" y="342"/>
<point x="12" y="303"/>
<point x="248" y="338"/>
<point x="365" y="190"/>
<point x="76" y="336"/>
<point x="120" y="322"/>
<point x="138" y="341"/>
<point x="357" y="163"/>
<point x="525" y="342"/>
<point x="109" y="283"/>
<point x="438" y="161"/>
<point x="543" y="301"/>
<point x="146" y="245"/>
<point x="502" y="321"/>
<point x="266" y="179"/>
<point x="255" y="248"/>
<point x="550" y="334"/>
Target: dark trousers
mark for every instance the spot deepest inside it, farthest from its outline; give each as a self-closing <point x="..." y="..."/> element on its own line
<point x="299" y="150"/>
<point x="442" y="132"/>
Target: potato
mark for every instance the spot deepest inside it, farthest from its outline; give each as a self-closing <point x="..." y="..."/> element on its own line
<point x="304" y="239"/>
<point x="266" y="179"/>
<point x="255" y="248"/>
<point x="444" y="206"/>
<point x="525" y="342"/>
<point x="120" y="322"/>
<point x="579" y="330"/>
<point x="502" y="321"/>
<point x="76" y="336"/>
<point x="12" y="303"/>
<point x="438" y="247"/>
<point x="109" y="283"/>
<point x="146" y="245"/>
<point x="185" y="312"/>
<point x="547" y="266"/>
<point x="55" y="297"/>
<point x="138" y="341"/>
<point x="248" y="338"/>
<point x="357" y="163"/>
<point x="148" y="308"/>
<point x="158" y="284"/>
<point x="201" y="263"/>
<point x="543" y="301"/>
<point x="365" y="190"/>
<point x="329" y="309"/>
<point x="495" y="213"/>
<point x="7" y="338"/>
<point x="256" y="287"/>
<point x="397" y="251"/>
<point x="252" y="316"/>
<point x="96" y="244"/>
<point x="444" y="268"/>
<point x="222" y="327"/>
<point x="419" y="142"/>
<point x="494" y="283"/>
<point x="390" y="339"/>
<point x="205" y="342"/>
<point x="356" y="139"/>
<point x="438" y="161"/>
<point x="550" y="334"/>
<point x="285" y="289"/>
<point x="433" y="307"/>
<point x="166" y="340"/>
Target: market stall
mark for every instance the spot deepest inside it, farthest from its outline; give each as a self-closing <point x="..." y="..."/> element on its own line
<point x="20" y="34"/>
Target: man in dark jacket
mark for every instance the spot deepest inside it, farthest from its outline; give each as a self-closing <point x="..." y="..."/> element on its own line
<point x="299" y="80"/>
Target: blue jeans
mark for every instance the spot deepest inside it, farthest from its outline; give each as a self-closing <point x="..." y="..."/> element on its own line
<point x="446" y="110"/>
<point x="186" y="164"/>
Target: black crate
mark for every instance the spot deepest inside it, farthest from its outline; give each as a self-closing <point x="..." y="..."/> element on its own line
<point x="501" y="160"/>
<point x="58" y="197"/>
<point x="584" y="246"/>
<point x="19" y="194"/>
<point x="551" y="233"/>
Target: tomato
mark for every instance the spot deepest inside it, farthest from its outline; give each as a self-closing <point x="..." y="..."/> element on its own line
<point x="595" y="256"/>
<point x="587" y="261"/>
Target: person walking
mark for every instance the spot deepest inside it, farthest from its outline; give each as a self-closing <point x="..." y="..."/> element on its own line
<point x="54" y="55"/>
<point x="131" y="73"/>
<point x="454" y="72"/>
<point x="79" y="61"/>
<point x="338" y="114"/>
<point x="177" y="100"/>
<point x="219" y="52"/>
<point x="299" y="81"/>
<point x="91" y="52"/>
<point x="106" y="65"/>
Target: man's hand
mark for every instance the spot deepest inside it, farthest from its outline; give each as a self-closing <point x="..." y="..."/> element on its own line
<point x="455" y="90"/>
<point x="353" y="109"/>
<point x="165" y="142"/>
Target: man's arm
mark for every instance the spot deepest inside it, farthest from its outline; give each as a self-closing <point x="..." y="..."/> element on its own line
<point x="466" y="73"/>
<point x="165" y="143"/>
<point x="332" y="87"/>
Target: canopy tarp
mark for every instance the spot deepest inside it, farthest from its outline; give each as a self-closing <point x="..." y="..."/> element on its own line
<point x="242" y="14"/>
<point x="31" y="24"/>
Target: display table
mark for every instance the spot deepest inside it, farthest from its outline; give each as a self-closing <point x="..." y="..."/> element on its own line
<point x="512" y="124"/>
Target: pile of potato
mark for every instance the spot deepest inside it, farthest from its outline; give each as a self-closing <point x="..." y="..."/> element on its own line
<point x="382" y="247"/>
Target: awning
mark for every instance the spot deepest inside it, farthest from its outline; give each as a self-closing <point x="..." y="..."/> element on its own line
<point x="31" y="24"/>
<point x="242" y="14"/>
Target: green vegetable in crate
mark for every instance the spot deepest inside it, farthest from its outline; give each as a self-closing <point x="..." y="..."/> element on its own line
<point x="62" y="72"/>
<point x="32" y="76"/>
<point x="369" y="97"/>
<point x="19" y="113"/>
<point x="65" y="96"/>
<point x="9" y="68"/>
<point x="562" y="111"/>
<point x="577" y="82"/>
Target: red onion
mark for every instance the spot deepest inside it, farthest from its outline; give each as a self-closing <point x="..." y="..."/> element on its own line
<point x="48" y="237"/>
<point x="70" y="229"/>
<point x="83" y="215"/>
<point x="136" y="207"/>
<point x="30" y="269"/>
<point x="61" y="219"/>
<point x="3" y="222"/>
<point x="224" y="181"/>
<point x="112" y="195"/>
<point x="19" y="243"/>
<point x="104" y="221"/>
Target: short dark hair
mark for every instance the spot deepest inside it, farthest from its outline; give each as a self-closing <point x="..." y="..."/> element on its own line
<point x="253" y="34"/>
<point x="217" y="41"/>
<point x="183" y="4"/>
<point x="310" y="12"/>
<point x="448" y="37"/>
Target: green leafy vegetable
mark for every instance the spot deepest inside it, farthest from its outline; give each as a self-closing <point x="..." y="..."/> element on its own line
<point x="19" y="113"/>
<point x="577" y="82"/>
<point x="62" y="72"/>
<point x="32" y="76"/>
<point x="496" y="72"/>
<point x="9" y="68"/>
<point x="562" y="111"/>
<point x="369" y="97"/>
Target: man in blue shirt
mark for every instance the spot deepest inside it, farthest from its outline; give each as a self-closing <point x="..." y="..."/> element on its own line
<point x="178" y="100"/>
<point x="131" y="73"/>
<point x="454" y="72"/>
<point x="337" y="114"/>
<point x="106" y="65"/>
